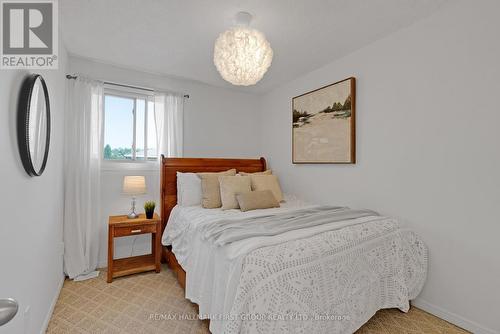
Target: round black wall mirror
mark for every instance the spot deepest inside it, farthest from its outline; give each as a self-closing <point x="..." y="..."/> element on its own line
<point x="33" y="124"/>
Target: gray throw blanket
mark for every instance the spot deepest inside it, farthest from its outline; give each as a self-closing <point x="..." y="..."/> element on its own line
<point x="227" y="231"/>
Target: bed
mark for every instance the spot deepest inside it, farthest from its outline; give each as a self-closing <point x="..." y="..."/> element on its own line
<point x="329" y="276"/>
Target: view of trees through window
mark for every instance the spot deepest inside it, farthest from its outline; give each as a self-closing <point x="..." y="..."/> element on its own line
<point x="129" y="128"/>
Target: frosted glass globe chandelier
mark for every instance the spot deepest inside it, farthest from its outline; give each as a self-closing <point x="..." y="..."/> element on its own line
<point x="242" y="55"/>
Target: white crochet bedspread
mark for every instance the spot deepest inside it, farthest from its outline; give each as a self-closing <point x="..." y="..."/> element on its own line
<point x="330" y="283"/>
<point x="312" y="281"/>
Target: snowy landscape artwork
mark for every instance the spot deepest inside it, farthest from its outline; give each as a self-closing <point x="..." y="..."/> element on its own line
<point x="323" y="129"/>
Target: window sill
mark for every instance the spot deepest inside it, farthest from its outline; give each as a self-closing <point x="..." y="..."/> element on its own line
<point x="121" y="166"/>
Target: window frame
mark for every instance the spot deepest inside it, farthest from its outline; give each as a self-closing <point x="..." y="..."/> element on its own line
<point x="131" y="94"/>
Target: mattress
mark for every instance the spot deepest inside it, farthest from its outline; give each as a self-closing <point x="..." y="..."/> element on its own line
<point x="319" y="279"/>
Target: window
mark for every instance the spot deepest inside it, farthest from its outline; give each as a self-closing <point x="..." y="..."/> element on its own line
<point x="129" y="127"/>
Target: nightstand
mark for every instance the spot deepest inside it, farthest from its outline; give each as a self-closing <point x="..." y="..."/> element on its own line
<point x="121" y="226"/>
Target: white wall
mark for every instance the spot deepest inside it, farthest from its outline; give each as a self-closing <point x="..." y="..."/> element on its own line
<point x="31" y="209"/>
<point x="427" y="149"/>
<point x="218" y="123"/>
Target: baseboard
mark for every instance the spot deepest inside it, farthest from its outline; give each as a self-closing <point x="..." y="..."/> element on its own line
<point x="102" y="265"/>
<point x="52" y="306"/>
<point x="452" y="317"/>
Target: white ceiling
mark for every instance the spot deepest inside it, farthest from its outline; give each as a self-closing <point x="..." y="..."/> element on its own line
<point x="175" y="37"/>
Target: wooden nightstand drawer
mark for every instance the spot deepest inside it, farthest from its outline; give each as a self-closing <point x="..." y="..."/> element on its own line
<point x="123" y="231"/>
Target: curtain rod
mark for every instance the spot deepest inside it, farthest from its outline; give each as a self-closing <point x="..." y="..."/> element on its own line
<point x="69" y="76"/>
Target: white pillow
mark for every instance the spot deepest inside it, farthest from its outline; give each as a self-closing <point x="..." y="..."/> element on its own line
<point x="188" y="189"/>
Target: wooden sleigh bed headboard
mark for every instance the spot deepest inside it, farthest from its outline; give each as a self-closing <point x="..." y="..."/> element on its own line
<point x="170" y="167"/>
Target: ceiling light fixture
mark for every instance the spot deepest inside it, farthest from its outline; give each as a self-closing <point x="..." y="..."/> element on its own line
<point x="242" y="55"/>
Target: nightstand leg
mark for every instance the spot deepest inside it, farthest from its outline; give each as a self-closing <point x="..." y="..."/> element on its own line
<point x="153" y="244"/>
<point x="110" y="254"/>
<point x="157" y="247"/>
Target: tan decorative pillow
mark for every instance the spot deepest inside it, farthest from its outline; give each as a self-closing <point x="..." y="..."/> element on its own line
<point x="230" y="186"/>
<point x="253" y="200"/>
<point x="266" y="172"/>
<point x="267" y="182"/>
<point x="210" y="191"/>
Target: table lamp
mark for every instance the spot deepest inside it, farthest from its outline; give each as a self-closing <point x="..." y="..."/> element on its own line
<point x="133" y="186"/>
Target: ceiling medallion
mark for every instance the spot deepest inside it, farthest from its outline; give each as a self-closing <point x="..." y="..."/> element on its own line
<point x="242" y="55"/>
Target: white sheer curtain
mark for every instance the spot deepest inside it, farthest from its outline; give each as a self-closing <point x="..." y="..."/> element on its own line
<point x="169" y="121"/>
<point x="83" y="149"/>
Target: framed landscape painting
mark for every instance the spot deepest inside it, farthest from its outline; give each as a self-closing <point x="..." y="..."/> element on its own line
<point x="323" y="125"/>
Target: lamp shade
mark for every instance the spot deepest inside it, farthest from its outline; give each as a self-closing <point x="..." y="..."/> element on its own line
<point x="134" y="185"/>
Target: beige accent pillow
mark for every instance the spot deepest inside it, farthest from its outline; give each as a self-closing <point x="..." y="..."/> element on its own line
<point x="267" y="182"/>
<point x="230" y="186"/>
<point x="254" y="200"/>
<point x="266" y="172"/>
<point x="210" y="191"/>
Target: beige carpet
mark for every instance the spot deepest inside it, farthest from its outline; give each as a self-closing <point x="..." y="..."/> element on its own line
<point x="126" y="306"/>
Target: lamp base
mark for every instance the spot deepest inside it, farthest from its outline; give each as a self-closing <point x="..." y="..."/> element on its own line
<point x="132" y="215"/>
